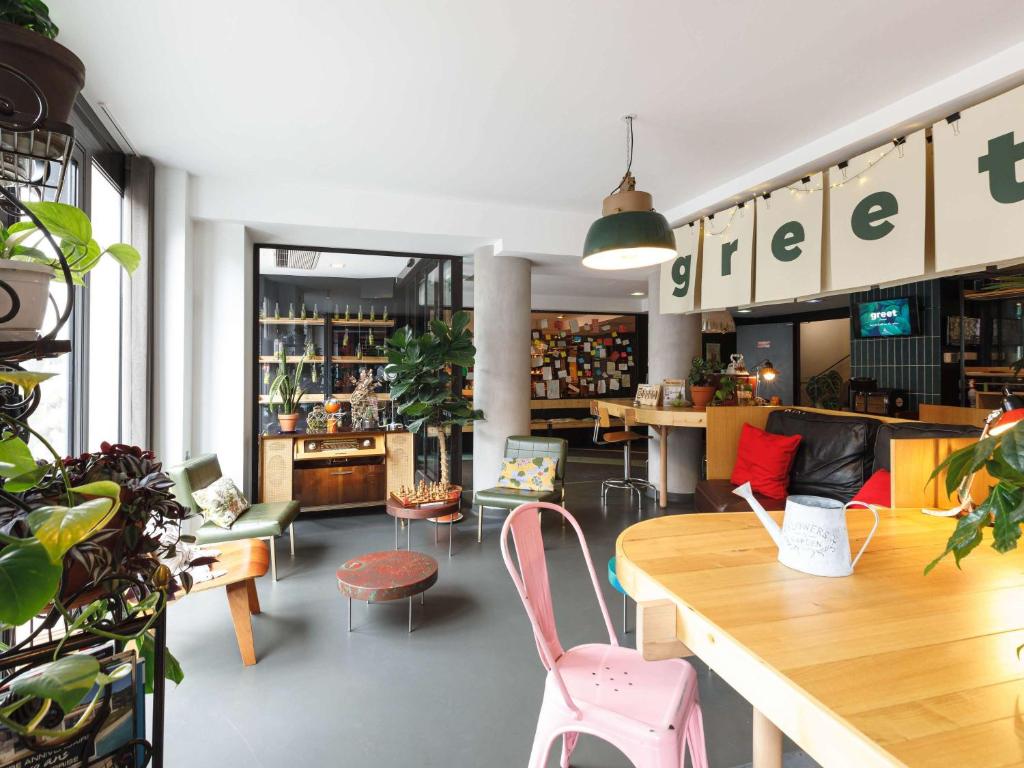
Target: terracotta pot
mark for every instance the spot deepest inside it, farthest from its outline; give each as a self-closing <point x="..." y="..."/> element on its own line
<point x="287" y="421"/>
<point x="31" y="283"/>
<point x="701" y="396"/>
<point x="53" y="69"/>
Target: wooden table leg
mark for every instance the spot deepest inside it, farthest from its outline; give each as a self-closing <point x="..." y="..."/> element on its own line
<point x="238" y="602"/>
<point x="663" y="484"/>
<point x="767" y="743"/>
<point x="254" y="598"/>
<point x="656" y="631"/>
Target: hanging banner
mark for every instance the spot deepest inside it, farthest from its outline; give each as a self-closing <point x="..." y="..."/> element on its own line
<point x="877" y="217"/>
<point x="727" y="259"/>
<point x="788" y="263"/>
<point x="679" y="276"/>
<point x="979" y="184"/>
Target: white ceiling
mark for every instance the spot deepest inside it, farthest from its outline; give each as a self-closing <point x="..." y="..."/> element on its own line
<point x="510" y="100"/>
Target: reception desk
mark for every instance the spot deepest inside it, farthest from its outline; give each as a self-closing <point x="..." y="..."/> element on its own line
<point x="335" y="470"/>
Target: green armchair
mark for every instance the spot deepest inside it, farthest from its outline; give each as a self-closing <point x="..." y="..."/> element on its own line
<point x="260" y="521"/>
<point x="524" y="447"/>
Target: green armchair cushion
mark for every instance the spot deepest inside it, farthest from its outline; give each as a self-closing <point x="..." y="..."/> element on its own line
<point x="257" y="522"/>
<point x="527" y="447"/>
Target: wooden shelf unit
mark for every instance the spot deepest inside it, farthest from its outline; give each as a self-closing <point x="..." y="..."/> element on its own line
<point x="291" y="358"/>
<point x="318" y="397"/>
<point x="352" y="359"/>
<point x="292" y="321"/>
<point x="364" y="323"/>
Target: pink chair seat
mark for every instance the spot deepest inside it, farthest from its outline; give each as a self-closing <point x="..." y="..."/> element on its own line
<point x="650" y="710"/>
<point x="617" y="680"/>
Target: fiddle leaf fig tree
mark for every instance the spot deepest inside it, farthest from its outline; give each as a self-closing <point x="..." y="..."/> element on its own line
<point x="421" y="369"/>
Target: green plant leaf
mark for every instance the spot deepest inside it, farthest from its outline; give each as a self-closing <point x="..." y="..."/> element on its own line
<point x="107" y="489"/>
<point x="63" y="221"/>
<point x="15" y="457"/>
<point x="28" y="581"/>
<point x="125" y="255"/>
<point x="27" y="380"/>
<point x="58" y="529"/>
<point x="965" y="537"/>
<point x="65" y="681"/>
<point x="1007" y="503"/>
<point x="172" y="668"/>
<point x="1011" y="446"/>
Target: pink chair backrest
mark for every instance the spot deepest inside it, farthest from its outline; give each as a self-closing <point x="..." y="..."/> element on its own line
<point x="531" y="579"/>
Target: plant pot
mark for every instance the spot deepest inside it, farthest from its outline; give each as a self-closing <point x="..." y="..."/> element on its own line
<point x="31" y="283"/>
<point x="701" y="396"/>
<point x="287" y="421"/>
<point x="53" y="69"/>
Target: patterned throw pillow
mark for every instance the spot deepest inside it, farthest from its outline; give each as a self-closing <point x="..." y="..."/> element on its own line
<point x="529" y="474"/>
<point x="221" y="502"/>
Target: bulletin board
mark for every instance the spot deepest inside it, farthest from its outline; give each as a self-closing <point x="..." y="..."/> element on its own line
<point x="583" y="357"/>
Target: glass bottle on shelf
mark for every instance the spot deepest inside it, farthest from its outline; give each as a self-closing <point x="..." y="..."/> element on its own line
<point x="277" y="311"/>
<point x="303" y="311"/>
<point x="372" y="314"/>
<point x="359" y="317"/>
<point x="316" y="311"/>
<point x="369" y="340"/>
<point x="346" y="313"/>
<point x="337" y="315"/>
<point x="291" y="310"/>
<point x="359" y="351"/>
<point x="344" y="343"/>
<point x="266" y="375"/>
<point x="384" y="317"/>
<point x="263" y="309"/>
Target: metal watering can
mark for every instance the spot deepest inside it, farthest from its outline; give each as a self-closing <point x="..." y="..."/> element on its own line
<point x="813" y="537"/>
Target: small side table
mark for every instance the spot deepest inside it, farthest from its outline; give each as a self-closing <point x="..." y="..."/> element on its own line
<point x="382" y="576"/>
<point x="398" y="511"/>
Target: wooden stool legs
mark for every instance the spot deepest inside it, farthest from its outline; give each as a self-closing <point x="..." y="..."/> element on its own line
<point x="243" y="602"/>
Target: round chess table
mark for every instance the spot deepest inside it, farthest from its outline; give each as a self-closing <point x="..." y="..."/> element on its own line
<point x="450" y="509"/>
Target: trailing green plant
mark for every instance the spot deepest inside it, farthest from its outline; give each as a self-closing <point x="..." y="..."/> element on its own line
<point x="421" y="369"/>
<point x="72" y="231"/>
<point x="1002" y="456"/>
<point x="71" y="529"/>
<point x="726" y="390"/>
<point x="287" y="388"/>
<point x="30" y="14"/>
<point x="824" y="389"/>
<point x="701" y="372"/>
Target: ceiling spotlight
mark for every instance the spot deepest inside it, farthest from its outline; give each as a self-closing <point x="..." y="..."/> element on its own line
<point x="561" y="317"/>
<point x="638" y="293"/>
<point x="745" y="310"/>
<point x="812" y="301"/>
<point x="630" y="233"/>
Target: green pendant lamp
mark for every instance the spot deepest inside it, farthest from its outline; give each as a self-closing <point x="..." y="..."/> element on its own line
<point x="630" y="233"/>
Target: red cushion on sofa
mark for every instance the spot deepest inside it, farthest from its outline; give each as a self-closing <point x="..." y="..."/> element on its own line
<point x="876" y="490"/>
<point x="763" y="460"/>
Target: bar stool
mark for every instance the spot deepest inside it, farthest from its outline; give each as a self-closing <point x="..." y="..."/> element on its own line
<point x="626" y="437"/>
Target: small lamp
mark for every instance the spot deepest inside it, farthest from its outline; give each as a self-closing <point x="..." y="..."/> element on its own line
<point x="766" y="371"/>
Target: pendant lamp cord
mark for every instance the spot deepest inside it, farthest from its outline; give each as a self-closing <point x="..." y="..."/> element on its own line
<point x="629" y="153"/>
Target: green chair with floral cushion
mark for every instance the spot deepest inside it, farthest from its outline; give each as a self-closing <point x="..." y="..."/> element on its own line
<point x="258" y="521"/>
<point x="506" y="495"/>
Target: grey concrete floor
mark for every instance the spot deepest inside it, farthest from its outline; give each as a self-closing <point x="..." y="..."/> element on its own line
<point x="462" y="690"/>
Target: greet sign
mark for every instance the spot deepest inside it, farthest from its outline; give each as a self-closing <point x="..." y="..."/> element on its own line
<point x="679" y="276"/>
<point x="788" y="262"/>
<point x="979" y="185"/>
<point x="877" y="219"/>
<point x="727" y="259"/>
<point x="889" y="221"/>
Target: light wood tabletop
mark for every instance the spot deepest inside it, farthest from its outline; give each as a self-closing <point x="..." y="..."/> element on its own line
<point x="662" y="418"/>
<point x="887" y="667"/>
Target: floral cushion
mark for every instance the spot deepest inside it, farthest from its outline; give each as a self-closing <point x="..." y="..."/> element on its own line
<point x="221" y="502"/>
<point x="529" y="474"/>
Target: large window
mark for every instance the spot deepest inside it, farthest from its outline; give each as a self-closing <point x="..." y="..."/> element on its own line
<point x="104" y="318"/>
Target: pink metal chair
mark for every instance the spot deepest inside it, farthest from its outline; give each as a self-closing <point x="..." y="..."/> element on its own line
<point x="650" y="710"/>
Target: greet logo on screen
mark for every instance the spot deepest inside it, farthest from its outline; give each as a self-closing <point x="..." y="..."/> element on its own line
<point x="890" y="317"/>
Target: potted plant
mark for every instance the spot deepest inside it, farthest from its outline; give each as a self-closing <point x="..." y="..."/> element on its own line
<point x="28" y="268"/>
<point x="288" y="391"/>
<point x="31" y="59"/>
<point x="824" y="389"/>
<point x="421" y="372"/>
<point x="725" y="394"/>
<point x="702" y="387"/>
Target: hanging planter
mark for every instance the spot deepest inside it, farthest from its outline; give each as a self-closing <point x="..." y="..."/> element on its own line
<point x="23" y="306"/>
<point x="40" y="77"/>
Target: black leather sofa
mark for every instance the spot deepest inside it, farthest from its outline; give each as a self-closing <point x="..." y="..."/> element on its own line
<point x="837" y="454"/>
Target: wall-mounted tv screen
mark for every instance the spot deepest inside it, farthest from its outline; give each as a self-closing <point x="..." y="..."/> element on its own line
<point x="886" y="317"/>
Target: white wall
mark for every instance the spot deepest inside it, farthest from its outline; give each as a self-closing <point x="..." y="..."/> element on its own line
<point x="822" y="343"/>
<point x="221" y="378"/>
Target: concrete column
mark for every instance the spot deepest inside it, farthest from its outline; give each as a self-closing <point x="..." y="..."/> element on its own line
<point x="672" y="342"/>
<point x="501" y="378"/>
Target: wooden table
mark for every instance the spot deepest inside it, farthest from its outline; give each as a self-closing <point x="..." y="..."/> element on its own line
<point x="244" y="561"/>
<point x="887" y="667"/>
<point x="378" y="577"/>
<point x="662" y="418"/>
